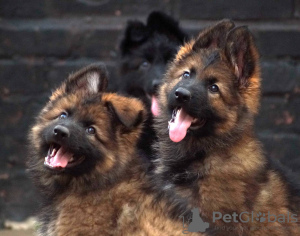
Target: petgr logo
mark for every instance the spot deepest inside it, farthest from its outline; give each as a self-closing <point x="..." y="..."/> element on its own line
<point x="196" y="224"/>
<point x="246" y="217"/>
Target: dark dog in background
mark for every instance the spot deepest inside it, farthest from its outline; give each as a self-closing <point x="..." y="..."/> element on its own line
<point x="145" y="51"/>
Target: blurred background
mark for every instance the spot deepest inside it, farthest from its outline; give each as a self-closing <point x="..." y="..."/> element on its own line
<point x="42" y="41"/>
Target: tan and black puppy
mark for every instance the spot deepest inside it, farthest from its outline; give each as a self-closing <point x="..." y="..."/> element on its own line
<point x="82" y="144"/>
<point x="209" y="154"/>
<point x="83" y="160"/>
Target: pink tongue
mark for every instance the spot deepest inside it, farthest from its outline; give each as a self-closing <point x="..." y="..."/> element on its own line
<point x="154" y="106"/>
<point x="178" y="128"/>
<point x="61" y="158"/>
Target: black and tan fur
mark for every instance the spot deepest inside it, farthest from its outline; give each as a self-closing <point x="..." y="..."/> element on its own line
<point x="220" y="167"/>
<point x="105" y="192"/>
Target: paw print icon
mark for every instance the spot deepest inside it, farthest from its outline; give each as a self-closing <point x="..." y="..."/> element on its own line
<point x="260" y="217"/>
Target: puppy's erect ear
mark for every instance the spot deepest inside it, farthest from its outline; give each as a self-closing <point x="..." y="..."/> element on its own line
<point x="136" y="33"/>
<point x="128" y="112"/>
<point x="242" y="53"/>
<point x="162" y="23"/>
<point x="91" y="79"/>
<point x="213" y="37"/>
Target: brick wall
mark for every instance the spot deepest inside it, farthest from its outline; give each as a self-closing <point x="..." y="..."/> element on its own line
<point x="41" y="41"/>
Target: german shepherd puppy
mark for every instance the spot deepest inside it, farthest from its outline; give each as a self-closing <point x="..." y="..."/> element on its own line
<point x="82" y="144"/>
<point x="208" y="151"/>
<point x="145" y="51"/>
<point x="83" y="160"/>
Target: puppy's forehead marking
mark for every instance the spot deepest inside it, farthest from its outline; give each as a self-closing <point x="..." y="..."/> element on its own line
<point x="211" y="58"/>
<point x="197" y="62"/>
<point x="201" y="61"/>
<point x="93" y="100"/>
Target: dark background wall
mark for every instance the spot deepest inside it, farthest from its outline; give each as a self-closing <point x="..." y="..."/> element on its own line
<point x="42" y="41"/>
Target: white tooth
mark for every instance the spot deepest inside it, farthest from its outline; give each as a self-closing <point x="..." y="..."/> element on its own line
<point x="53" y="152"/>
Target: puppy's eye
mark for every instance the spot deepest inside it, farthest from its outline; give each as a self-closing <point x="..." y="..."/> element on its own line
<point x="186" y="75"/>
<point x="213" y="88"/>
<point x="91" y="130"/>
<point x="145" y="65"/>
<point x="63" y="115"/>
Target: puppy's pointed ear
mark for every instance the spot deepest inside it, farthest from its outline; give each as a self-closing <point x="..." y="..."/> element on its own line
<point x="213" y="37"/>
<point x="135" y="34"/>
<point x="242" y="53"/>
<point x="129" y="112"/>
<point x="91" y="79"/>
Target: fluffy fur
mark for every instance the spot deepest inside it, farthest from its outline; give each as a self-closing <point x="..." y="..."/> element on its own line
<point x="219" y="165"/>
<point x="103" y="189"/>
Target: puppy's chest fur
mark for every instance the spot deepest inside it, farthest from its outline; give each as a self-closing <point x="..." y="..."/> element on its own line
<point x="125" y="209"/>
<point x="96" y="213"/>
<point x="232" y="181"/>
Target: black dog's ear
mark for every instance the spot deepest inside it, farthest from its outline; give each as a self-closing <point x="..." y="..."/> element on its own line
<point x="242" y="53"/>
<point x="164" y="24"/>
<point x="91" y="79"/>
<point x="136" y="33"/>
<point x="214" y="36"/>
<point x="127" y="111"/>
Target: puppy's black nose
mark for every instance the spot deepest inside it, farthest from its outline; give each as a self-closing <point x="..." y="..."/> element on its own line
<point x="182" y="95"/>
<point x="61" y="132"/>
<point x="155" y="85"/>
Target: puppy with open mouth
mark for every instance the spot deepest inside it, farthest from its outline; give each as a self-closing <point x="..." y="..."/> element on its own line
<point x="84" y="161"/>
<point x="207" y="149"/>
<point x="83" y="155"/>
